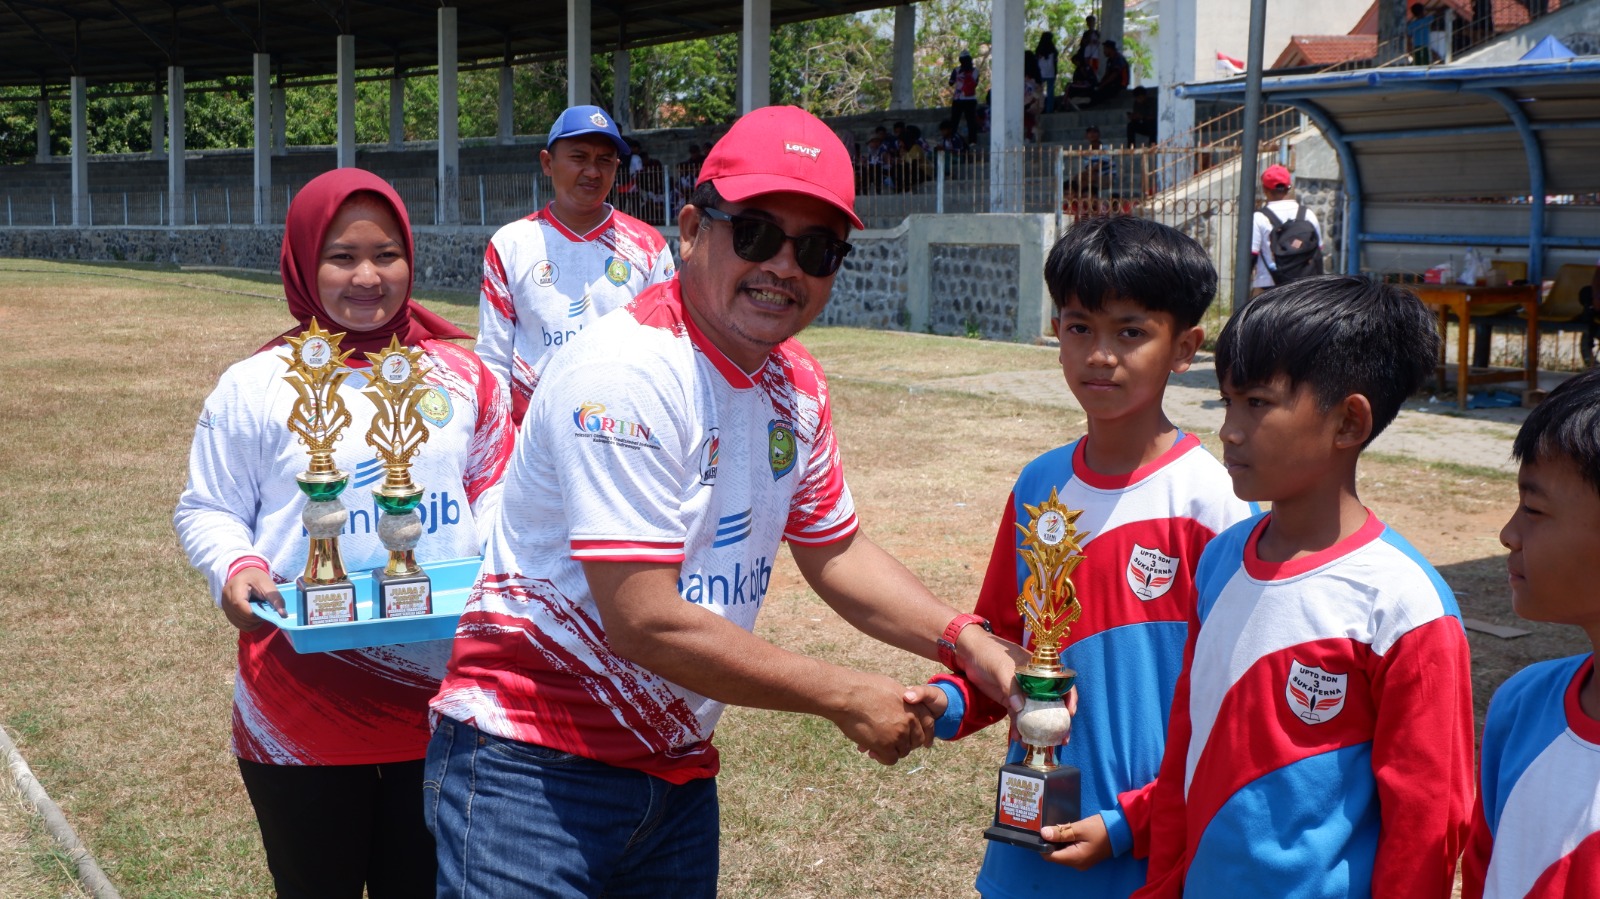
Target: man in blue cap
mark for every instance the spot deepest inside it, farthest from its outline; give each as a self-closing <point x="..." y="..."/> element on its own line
<point x="548" y="275"/>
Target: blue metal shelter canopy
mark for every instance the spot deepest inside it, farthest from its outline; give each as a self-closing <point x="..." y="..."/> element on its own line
<point x="1520" y="130"/>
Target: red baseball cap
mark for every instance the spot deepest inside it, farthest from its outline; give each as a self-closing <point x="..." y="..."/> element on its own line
<point x="1275" y="176"/>
<point x="782" y="149"/>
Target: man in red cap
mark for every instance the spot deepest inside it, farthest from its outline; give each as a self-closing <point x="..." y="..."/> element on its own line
<point x="668" y="451"/>
<point x="1286" y="239"/>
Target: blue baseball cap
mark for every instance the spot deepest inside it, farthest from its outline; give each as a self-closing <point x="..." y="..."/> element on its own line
<point x="580" y="120"/>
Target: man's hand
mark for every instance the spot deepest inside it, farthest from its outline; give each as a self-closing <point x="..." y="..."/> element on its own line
<point x="249" y="583"/>
<point x="1088" y="843"/>
<point x="882" y="722"/>
<point x="991" y="663"/>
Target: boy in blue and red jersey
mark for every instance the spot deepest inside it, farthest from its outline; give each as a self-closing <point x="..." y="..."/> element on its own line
<point x="1128" y="298"/>
<point x="1321" y="734"/>
<point x="1536" y="829"/>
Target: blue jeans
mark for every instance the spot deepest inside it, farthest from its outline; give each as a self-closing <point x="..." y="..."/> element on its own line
<point x="516" y="819"/>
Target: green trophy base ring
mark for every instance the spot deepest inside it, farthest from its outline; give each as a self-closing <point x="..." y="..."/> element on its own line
<point x="321" y="488"/>
<point x="1045" y="686"/>
<point x="397" y="504"/>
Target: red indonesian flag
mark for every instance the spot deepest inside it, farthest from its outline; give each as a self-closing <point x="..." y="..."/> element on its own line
<point x="1229" y="65"/>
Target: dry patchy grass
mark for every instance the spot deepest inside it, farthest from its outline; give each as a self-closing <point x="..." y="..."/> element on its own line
<point x="118" y="670"/>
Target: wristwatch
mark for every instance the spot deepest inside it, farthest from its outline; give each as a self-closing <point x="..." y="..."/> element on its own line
<point x="952" y="632"/>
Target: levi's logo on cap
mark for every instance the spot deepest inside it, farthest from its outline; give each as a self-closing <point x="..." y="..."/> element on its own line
<point x="811" y="153"/>
<point x="598" y="120"/>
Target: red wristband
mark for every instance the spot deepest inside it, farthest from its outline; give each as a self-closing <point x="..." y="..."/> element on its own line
<point x="952" y="632"/>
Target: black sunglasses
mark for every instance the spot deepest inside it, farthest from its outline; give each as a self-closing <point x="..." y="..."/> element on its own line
<point x="757" y="240"/>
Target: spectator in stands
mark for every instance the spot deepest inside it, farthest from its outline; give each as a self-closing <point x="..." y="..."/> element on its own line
<point x="1090" y="51"/>
<point x="898" y="138"/>
<point x="1419" y="30"/>
<point x="916" y="163"/>
<point x="689" y="171"/>
<point x="964" y="97"/>
<point x="1099" y="168"/>
<point x="1046" y="54"/>
<point x="1032" y="96"/>
<point x="1114" y="80"/>
<point x="1142" y="117"/>
<point x="877" y="164"/>
<point x="949" y="140"/>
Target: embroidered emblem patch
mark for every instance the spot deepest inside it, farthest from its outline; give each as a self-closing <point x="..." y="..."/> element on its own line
<point x="435" y="406"/>
<point x="1315" y="696"/>
<point x="780" y="447"/>
<point x="545" y="273"/>
<point x="618" y="270"/>
<point x="598" y="120"/>
<point x="1150" y="572"/>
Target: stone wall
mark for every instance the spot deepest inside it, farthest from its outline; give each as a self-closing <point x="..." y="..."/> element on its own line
<point x="870" y="290"/>
<point x="973" y="290"/>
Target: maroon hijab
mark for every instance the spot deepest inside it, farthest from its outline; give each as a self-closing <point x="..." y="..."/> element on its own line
<point x="304" y="231"/>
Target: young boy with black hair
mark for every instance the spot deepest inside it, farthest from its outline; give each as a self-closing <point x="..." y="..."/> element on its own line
<point x="1536" y="828"/>
<point x="1128" y="298"/>
<point x="1321" y="734"/>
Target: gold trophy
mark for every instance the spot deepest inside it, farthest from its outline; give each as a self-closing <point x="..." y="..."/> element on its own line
<point x="319" y="417"/>
<point x="1038" y="791"/>
<point x="398" y="430"/>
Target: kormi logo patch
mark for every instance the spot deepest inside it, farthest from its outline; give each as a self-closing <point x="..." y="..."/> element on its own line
<point x="811" y="153"/>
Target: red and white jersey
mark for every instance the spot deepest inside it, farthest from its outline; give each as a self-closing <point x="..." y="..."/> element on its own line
<point x="1321" y="734"/>
<point x="543" y="283"/>
<point x="643" y="443"/>
<point x="242" y="508"/>
<point x="1536" y="829"/>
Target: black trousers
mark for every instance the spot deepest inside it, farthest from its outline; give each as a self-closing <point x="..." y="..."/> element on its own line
<point x="330" y="830"/>
<point x="965" y="109"/>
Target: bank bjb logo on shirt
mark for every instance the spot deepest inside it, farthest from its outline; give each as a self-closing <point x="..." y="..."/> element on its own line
<point x="1315" y="696"/>
<point x="780" y="447"/>
<point x="1150" y="572"/>
<point x="617" y="270"/>
<point x="545" y="273"/>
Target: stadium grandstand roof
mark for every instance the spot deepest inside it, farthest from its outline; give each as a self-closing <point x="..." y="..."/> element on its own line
<point x="47" y="41"/>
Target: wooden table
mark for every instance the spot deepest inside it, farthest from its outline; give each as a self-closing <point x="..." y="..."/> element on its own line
<point x="1463" y="302"/>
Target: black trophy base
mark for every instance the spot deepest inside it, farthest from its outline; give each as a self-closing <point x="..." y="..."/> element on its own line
<point x="402" y="595"/>
<point x="1028" y="800"/>
<point x="333" y="603"/>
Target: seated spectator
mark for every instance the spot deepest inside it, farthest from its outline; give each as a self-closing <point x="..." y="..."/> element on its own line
<point x="1099" y="167"/>
<point x="1032" y="96"/>
<point x="1142" y="117"/>
<point x="949" y="140"/>
<point x="916" y="164"/>
<point x="877" y="165"/>
<point x="689" y="171"/>
<point x="1114" y="80"/>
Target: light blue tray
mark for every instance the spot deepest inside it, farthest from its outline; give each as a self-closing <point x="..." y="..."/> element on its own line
<point x="452" y="582"/>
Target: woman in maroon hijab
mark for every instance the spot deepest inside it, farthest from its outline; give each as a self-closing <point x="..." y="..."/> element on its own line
<point x="330" y="745"/>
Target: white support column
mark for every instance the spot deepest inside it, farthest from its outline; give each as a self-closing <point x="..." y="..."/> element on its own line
<point x="347" y="101"/>
<point x="80" y="152"/>
<point x="1005" y="109"/>
<point x="449" y="209"/>
<point x="1113" y="13"/>
<point x="1176" y="65"/>
<point x="158" y="123"/>
<point x="621" y="99"/>
<point x="755" y="56"/>
<point x="262" y="94"/>
<point x="177" y="192"/>
<point x="507" y="96"/>
<point x="397" y="110"/>
<point x="578" y="44"/>
<point x="41" y="127"/>
<point x="280" y="119"/>
<point x="905" y="58"/>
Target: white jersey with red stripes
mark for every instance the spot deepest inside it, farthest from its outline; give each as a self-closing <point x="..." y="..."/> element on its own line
<point x="543" y="283"/>
<point x="1536" y="829"/>
<point x="644" y="443"/>
<point x="242" y="506"/>
<point x="1321" y="734"/>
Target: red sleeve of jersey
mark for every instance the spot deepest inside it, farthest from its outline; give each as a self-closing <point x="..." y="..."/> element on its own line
<point x="495" y="289"/>
<point x="1422" y="760"/>
<point x="1475" y="863"/>
<point x="997" y="601"/>
<point x="1160" y="828"/>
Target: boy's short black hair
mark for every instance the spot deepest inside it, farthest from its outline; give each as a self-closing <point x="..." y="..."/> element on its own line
<point x="1565" y="425"/>
<point x="1339" y="334"/>
<point x="1112" y="257"/>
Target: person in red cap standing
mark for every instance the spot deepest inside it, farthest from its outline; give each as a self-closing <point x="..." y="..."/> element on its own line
<point x="669" y="450"/>
<point x="1286" y="240"/>
<point x="547" y="276"/>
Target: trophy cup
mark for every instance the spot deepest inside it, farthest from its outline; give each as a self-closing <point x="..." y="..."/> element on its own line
<point x="319" y="417"/>
<point x="1038" y="791"/>
<point x="398" y="430"/>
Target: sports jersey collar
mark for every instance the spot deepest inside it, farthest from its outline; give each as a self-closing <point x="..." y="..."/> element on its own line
<point x="1585" y="727"/>
<point x="1092" y="478"/>
<point x="672" y="297"/>
<point x="547" y="215"/>
<point x="1263" y="570"/>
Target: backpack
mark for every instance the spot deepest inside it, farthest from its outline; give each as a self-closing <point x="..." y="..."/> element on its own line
<point x="1296" y="251"/>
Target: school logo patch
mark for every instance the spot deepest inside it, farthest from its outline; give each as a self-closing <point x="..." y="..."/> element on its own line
<point x="545" y="273"/>
<point x="1315" y="696"/>
<point x="598" y="120"/>
<point x="710" y="450"/>
<point x="435" y="406"/>
<point x="781" y="450"/>
<point x="618" y="270"/>
<point x="1150" y="572"/>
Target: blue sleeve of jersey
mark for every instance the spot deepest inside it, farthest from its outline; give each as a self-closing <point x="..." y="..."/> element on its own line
<point x="949" y="724"/>
<point x="1118" y="830"/>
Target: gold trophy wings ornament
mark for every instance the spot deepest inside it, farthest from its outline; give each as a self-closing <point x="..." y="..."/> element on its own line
<point x="1038" y="791"/>
<point x="397" y="432"/>
<point x="318" y="418"/>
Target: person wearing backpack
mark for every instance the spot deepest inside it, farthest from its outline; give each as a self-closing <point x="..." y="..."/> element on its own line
<point x="1286" y="242"/>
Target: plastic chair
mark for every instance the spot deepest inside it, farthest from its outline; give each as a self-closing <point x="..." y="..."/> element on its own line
<point x="1561" y="303"/>
<point x="1514" y="270"/>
